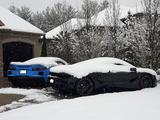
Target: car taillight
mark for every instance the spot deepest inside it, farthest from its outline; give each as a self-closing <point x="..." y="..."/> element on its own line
<point x="38" y="69"/>
<point x="11" y="68"/>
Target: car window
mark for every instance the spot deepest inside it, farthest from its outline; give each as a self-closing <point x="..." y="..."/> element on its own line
<point x="118" y="63"/>
<point x="60" y="63"/>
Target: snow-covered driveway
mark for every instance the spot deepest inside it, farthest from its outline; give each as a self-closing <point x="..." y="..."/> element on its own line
<point x="32" y="96"/>
<point x="136" y="105"/>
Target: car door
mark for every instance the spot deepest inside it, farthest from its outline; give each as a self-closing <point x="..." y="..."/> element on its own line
<point x="124" y="79"/>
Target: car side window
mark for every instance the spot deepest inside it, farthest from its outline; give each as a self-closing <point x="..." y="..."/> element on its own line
<point x="60" y="63"/>
<point x="118" y="64"/>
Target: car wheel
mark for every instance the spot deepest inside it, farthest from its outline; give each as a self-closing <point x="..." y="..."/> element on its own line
<point x="14" y="82"/>
<point x="146" y="81"/>
<point x="84" y="87"/>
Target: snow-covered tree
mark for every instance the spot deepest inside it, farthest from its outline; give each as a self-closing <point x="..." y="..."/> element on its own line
<point x="133" y="36"/>
<point x="113" y="28"/>
<point x="57" y="15"/>
<point x="152" y="21"/>
<point x="24" y="12"/>
<point x="88" y="43"/>
<point x="38" y="20"/>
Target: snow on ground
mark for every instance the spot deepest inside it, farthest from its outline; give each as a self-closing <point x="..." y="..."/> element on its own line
<point x="136" y="105"/>
<point x="31" y="96"/>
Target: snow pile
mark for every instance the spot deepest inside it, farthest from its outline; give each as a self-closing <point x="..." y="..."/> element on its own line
<point x="15" y="23"/>
<point x="101" y="64"/>
<point x="31" y="96"/>
<point x="73" y="24"/>
<point x="45" y="61"/>
<point x="141" y="105"/>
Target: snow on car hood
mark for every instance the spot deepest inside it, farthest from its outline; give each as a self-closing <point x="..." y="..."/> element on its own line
<point x="45" y="61"/>
<point x="102" y="64"/>
<point x="147" y="70"/>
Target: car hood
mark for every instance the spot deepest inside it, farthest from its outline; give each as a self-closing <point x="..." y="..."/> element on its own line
<point x="147" y="70"/>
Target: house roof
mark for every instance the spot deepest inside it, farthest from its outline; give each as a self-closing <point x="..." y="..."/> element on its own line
<point x="96" y="20"/>
<point x="100" y="18"/>
<point x="10" y="21"/>
<point x="72" y="24"/>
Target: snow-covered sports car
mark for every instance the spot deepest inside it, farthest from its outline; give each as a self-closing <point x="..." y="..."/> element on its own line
<point x="101" y="73"/>
<point x="33" y="72"/>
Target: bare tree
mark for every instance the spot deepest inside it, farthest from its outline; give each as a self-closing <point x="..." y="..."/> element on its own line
<point x="57" y="15"/>
<point x="113" y="30"/>
<point x="24" y="12"/>
<point x="151" y="16"/>
<point x="38" y="20"/>
<point x="103" y="5"/>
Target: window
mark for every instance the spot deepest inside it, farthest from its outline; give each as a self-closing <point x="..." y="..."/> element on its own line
<point x="60" y="63"/>
<point x="118" y="64"/>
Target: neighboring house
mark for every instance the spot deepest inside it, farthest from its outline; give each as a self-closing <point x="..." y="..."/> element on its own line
<point x="99" y="20"/>
<point x="19" y="40"/>
<point x="69" y="26"/>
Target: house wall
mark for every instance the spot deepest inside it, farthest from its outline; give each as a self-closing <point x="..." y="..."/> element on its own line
<point x="9" y="36"/>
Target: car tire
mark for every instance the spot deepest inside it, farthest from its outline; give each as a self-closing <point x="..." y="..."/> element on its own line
<point x="14" y="82"/>
<point x="146" y="81"/>
<point x="84" y="87"/>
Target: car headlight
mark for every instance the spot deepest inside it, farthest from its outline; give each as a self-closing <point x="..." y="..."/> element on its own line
<point x="51" y="80"/>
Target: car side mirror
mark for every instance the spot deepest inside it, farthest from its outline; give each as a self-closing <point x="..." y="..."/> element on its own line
<point x="133" y="69"/>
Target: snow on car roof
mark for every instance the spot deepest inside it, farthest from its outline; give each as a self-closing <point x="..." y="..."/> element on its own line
<point x="45" y="61"/>
<point x="13" y="22"/>
<point x="101" y="64"/>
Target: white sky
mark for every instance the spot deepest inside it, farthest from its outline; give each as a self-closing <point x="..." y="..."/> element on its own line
<point x="37" y="5"/>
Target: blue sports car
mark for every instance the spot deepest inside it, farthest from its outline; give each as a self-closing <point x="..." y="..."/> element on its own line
<point x="33" y="72"/>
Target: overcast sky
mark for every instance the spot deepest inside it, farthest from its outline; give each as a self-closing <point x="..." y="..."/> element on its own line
<point x="37" y="5"/>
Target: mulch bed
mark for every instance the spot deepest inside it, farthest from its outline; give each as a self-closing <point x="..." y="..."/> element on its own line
<point x="5" y="83"/>
<point x="9" y="98"/>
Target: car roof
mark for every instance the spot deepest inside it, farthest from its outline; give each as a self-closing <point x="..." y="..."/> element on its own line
<point x="105" y="61"/>
<point x="45" y="61"/>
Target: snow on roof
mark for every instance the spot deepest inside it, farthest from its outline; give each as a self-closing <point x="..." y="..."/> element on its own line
<point x="45" y="61"/>
<point x="100" y="19"/>
<point x="13" y="22"/>
<point x="101" y="64"/>
<point x="72" y="24"/>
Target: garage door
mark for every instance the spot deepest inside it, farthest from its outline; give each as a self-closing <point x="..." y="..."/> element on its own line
<point x="16" y="51"/>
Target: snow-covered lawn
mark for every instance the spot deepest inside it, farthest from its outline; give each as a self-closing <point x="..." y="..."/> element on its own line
<point x="136" y="105"/>
<point x="31" y="96"/>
